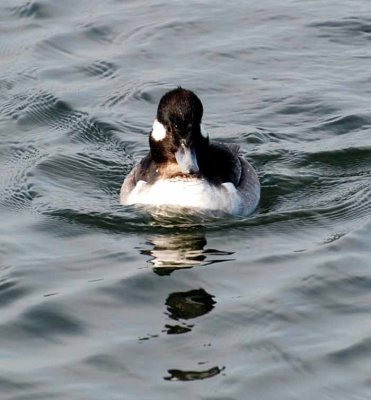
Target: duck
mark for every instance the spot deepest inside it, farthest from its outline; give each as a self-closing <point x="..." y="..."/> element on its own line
<point x="185" y="169"/>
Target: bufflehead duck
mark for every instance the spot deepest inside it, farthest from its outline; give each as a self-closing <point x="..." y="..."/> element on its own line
<point x="185" y="169"/>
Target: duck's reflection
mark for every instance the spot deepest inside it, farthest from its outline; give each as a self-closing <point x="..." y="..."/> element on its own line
<point x="180" y="375"/>
<point x="186" y="250"/>
<point x="185" y="306"/>
<point x="179" y="251"/>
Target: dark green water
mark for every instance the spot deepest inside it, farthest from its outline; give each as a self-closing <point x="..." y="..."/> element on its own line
<point x="104" y="302"/>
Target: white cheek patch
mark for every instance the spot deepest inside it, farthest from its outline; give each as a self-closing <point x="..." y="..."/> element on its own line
<point x="204" y="132"/>
<point x="158" y="131"/>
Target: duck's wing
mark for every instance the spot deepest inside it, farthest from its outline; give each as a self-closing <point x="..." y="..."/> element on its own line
<point x="235" y="163"/>
<point x="248" y="187"/>
<point x="138" y="173"/>
<point x="129" y="183"/>
<point x="221" y="163"/>
<point x="231" y="167"/>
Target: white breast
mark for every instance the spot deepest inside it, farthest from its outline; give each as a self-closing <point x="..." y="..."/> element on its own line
<point x="194" y="193"/>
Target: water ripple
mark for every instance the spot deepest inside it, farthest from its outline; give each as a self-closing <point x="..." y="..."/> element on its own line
<point x="45" y="321"/>
<point x="103" y="69"/>
<point x="345" y="30"/>
<point x="32" y="9"/>
<point x="17" y="162"/>
<point x="345" y="123"/>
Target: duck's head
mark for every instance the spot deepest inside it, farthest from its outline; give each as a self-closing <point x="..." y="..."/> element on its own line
<point x="177" y="134"/>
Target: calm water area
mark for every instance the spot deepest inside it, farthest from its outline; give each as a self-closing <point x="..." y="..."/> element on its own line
<point x="100" y="301"/>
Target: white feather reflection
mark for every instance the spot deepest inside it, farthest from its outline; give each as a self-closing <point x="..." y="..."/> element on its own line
<point x="182" y="250"/>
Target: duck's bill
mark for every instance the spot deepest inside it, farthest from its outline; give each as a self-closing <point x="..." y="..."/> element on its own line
<point x="187" y="160"/>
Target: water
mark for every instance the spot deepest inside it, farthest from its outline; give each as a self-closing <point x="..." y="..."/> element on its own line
<point x="100" y="301"/>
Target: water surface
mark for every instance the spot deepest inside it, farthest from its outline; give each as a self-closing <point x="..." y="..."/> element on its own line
<point x="101" y="301"/>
